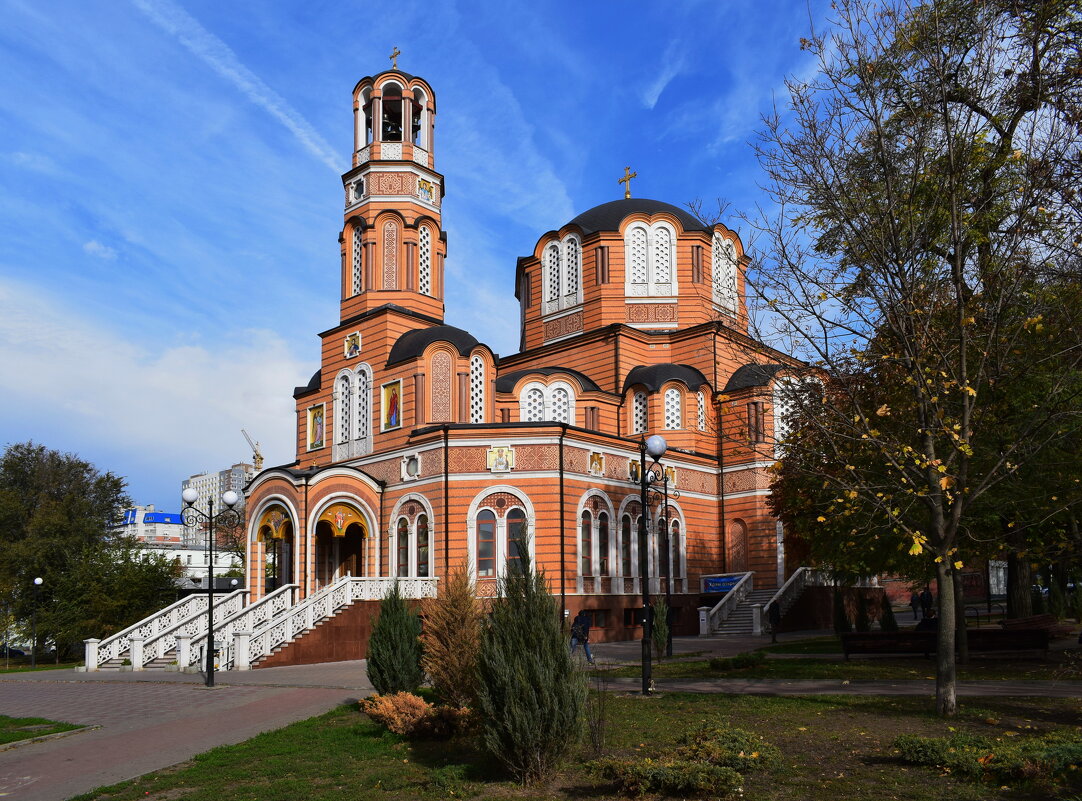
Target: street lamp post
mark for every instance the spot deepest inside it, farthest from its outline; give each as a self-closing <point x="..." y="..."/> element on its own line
<point x="666" y="526"/>
<point x="34" y="625"/>
<point x="654" y="447"/>
<point x="228" y="517"/>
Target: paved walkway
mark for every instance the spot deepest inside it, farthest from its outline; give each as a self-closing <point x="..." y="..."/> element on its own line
<point x="150" y="720"/>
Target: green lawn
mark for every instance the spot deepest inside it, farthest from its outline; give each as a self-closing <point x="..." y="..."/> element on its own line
<point x="24" y="667"/>
<point x="832" y="747"/>
<point x="884" y="668"/>
<point x="15" y="729"/>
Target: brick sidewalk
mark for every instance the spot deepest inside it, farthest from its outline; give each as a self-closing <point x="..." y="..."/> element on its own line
<point x="152" y="720"/>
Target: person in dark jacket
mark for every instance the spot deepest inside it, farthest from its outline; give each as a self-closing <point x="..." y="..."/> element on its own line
<point x="914" y="601"/>
<point x="580" y="634"/>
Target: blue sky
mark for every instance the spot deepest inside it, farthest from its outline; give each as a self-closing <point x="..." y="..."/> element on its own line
<point x="170" y="193"/>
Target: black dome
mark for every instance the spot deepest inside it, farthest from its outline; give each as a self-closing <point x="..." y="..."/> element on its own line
<point x="652" y="376"/>
<point x="608" y="216"/>
<point x="413" y="343"/>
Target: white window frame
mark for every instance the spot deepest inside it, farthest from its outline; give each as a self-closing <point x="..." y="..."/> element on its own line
<point x="653" y="287"/>
<point x="723" y="273"/>
<point x="547" y="391"/>
<point x="558" y="290"/>
<point x="476" y="508"/>
<point x="477" y="389"/>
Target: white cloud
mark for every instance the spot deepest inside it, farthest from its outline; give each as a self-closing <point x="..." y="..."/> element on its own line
<point x="177" y="22"/>
<point x="35" y="162"/>
<point x="165" y="412"/>
<point x="96" y="248"/>
<point x="672" y="62"/>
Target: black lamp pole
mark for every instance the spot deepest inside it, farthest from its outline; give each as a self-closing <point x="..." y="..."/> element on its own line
<point x="668" y="569"/>
<point x="228" y="517"/>
<point x="655" y="449"/>
<point x="34" y="624"/>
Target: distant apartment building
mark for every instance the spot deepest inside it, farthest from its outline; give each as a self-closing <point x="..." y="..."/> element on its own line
<point x="163" y="533"/>
<point x="214" y="485"/>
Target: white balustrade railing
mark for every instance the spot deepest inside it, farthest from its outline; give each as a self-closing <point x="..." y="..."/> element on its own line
<point x="194" y="625"/>
<point x="98" y="652"/>
<point x="725" y="607"/>
<point x="265" y="609"/>
<point x="318" y="607"/>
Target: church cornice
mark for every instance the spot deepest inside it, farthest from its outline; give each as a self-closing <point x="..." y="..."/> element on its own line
<point x="386" y="308"/>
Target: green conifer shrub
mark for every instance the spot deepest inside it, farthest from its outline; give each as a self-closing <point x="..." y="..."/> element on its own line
<point x="452" y="639"/>
<point x="887" y="621"/>
<point x="529" y="693"/>
<point x="394" y="649"/>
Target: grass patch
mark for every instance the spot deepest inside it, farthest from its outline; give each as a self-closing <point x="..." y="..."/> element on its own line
<point x="814" y="645"/>
<point x="14" y="729"/>
<point x="818" y="749"/>
<point x="24" y="667"/>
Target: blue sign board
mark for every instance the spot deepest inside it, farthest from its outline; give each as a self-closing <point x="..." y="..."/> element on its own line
<point x="720" y="583"/>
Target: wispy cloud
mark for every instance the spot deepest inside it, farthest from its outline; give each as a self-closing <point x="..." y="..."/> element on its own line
<point x="672" y="63"/>
<point x="35" y="162"/>
<point x="96" y="248"/>
<point x="72" y="383"/>
<point x="220" y="57"/>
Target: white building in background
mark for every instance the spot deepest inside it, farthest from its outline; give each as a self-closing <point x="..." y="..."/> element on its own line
<point x="214" y="485"/>
<point x="163" y="533"/>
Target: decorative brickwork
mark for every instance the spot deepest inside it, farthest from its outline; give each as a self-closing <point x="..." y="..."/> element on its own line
<point x="441" y="387"/>
<point x="746" y="480"/>
<point x="562" y="326"/>
<point x="576" y="460"/>
<point x="500" y="502"/>
<point x="468" y="460"/>
<point x="540" y="457"/>
<point x="651" y="312"/>
<point x="390" y="256"/>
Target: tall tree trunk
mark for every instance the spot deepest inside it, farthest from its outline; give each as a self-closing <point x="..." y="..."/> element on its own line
<point x="946" y="689"/>
<point x="1019" y="586"/>
<point x="961" y="635"/>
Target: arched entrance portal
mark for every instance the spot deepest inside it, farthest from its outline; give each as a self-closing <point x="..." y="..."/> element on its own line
<point x="275" y="532"/>
<point x="738" y="547"/>
<point x="341" y="544"/>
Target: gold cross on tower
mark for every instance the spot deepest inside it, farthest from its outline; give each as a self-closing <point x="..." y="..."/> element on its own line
<point x="394" y="58"/>
<point x="626" y="181"/>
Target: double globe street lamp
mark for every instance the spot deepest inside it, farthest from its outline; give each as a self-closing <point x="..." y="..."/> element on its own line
<point x="649" y="479"/>
<point x="228" y="517"/>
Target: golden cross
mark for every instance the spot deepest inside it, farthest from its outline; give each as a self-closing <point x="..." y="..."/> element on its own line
<point x="394" y="58"/>
<point x="626" y="180"/>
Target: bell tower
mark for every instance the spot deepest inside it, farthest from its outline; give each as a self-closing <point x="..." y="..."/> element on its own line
<point x="393" y="243"/>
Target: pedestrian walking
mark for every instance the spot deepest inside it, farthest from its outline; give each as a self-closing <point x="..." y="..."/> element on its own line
<point x="580" y="634"/>
<point x="926" y="601"/>
<point x="914" y="601"/>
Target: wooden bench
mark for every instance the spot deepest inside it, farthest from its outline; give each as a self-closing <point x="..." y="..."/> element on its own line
<point x="1042" y="622"/>
<point x="888" y="642"/>
<point x="925" y="642"/>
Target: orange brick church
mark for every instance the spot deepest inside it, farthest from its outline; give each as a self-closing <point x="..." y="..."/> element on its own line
<point x="419" y="449"/>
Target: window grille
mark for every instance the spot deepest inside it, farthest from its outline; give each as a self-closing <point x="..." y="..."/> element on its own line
<point x="535" y="405"/>
<point x="424" y="261"/>
<point x="364" y="412"/>
<point x="662" y="256"/>
<point x="640" y="415"/>
<point x="358" y="280"/>
<point x="702" y="411"/>
<point x="552" y="262"/>
<point x="573" y="267"/>
<point x="672" y="409"/>
<point x="560" y="406"/>
<point x="343" y="404"/>
<point x="637" y="256"/>
<point x="724" y="273"/>
<point x="477" y="390"/>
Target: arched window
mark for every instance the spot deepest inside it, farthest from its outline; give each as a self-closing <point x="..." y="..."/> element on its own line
<point x="357" y="279"/>
<point x="562" y="274"/>
<point x="561" y="406"/>
<point x="343" y="404"/>
<point x="403" y="542"/>
<point x="602" y="544"/>
<point x="552" y="272"/>
<point x="477" y="389"/>
<point x="424" y="261"/>
<point x="639" y="413"/>
<point x="391" y="130"/>
<point x="625" y="546"/>
<point x="555" y="402"/>
<point x="724" y="273"/>
<point x="650" y="259"/>
<point x="702" y="410"/>
<point x="364" y="411"/>
<point x="516" y="537"/>
<point x="784" y="407"/>
<point x="486" y="544"/>
<point x="586" y="546"/>
<point x="534" y="405"/>
<point x="422" y="546"/>
<point x="674" y="544"/>
<point x="572" y="267"/>
<point x="673" y="409"/>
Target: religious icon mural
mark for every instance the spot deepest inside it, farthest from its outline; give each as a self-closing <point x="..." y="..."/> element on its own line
<point x="634" y="470"/>
<point x="500" y="459"/>
<point x="392" y="405"/>
<point x="597" y="463"/>
<point x="316" y="426"/>
<point x="352" y="345"/>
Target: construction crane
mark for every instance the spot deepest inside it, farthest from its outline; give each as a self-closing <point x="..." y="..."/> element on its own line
<point x="257" y="455"/>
